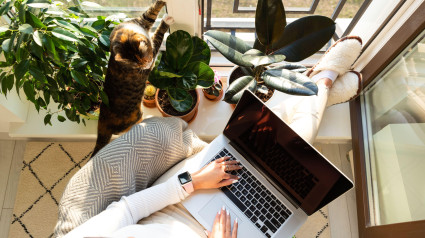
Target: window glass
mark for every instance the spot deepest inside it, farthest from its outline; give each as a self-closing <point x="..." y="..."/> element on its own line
<point x="131" y="8"/>
<point x="238" y="16"/>
<point x="394" y="114"/>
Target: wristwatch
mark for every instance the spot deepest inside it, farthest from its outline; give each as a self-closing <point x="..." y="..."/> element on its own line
<point x="186" y="182"/>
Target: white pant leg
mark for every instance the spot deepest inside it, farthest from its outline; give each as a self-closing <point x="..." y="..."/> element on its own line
<point x="304" y="113"/>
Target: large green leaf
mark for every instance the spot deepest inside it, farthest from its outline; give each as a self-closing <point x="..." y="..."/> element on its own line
<point x="201" y="51"/>
<point x="237" y="87"/>
<point x="67" y="25"/>
<point x="104" y="98"/>
<point x="21" y="13"/>
<point x="187" y="81"/>
<point x="179" y="48"/>
<point x="182" y="105"/>
<point x="229" y="46"/>
<point x="299" y="68"/>
<point x="270" y="21"/>
<point x="104" y="40"/>
<point x="89" y="31"/>
<point x="304" y="37"/>
<point x="159" y="81"/>
<point x="78" y="63"/>
<point x="64" y="34"/>
<point x="259" y="46"/>
<point x="177" y="94"/>
<point x="203" y="72"/>
<point x="37" y="36"/>
<point x="6" y="45"/>
<point x="258" y="58"/>
<point x="21" y="69"/>
<point x="26" y="28"/>
<point x="50" y="47"/>
<point x="37" y="74"/>
<point x="8" y="81"/>
<point x="80" y="77"/>
<point x="289" y="82"/>
<point x="29" y="90"/>
<point x="36" y="22"/>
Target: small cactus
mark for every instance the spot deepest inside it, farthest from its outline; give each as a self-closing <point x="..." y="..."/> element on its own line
<point x="150" y="90"/>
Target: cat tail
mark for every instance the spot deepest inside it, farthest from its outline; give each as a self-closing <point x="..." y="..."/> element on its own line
<point x="102" y="140"/>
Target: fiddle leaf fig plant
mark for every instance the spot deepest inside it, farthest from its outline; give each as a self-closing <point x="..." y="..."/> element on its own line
<point x="276" y="42"/>
<point x="55" y="55"/>
<point x="183" y="67"/>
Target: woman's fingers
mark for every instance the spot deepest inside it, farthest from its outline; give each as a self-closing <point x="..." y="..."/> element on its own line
<point x="230" y="162"/>
<point x="235" y="229"/>
<point x="232" y="167"/>
<point x="223" y="221"/>
<point x="228" y="225"/>
<point x="226" y="182"/>
<point x="230" y="176"/>
<point x="222" y="159"/>
<point x="216" y="225"/>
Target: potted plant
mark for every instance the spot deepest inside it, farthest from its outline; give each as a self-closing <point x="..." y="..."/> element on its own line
<point x="182" y="68"/>
<point x="149" y="95"/>
<point x="215" y="92"/>
<point x="275" y="43"/>
<point x="54" y="56"/>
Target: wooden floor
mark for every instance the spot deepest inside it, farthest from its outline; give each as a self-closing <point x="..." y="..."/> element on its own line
<point x="342" y="211"/>
<point x="11" y="157"/>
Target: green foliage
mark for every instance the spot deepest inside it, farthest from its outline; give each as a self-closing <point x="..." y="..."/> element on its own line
<point x="183" y="67"/>
<point x="54" y="56"/>
<point x="275" y="43"/>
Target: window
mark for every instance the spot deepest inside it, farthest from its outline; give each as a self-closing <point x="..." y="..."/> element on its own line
<point x="131" y="8"/>
<point x="394" y="135"/>
<point x="237" y="16"/>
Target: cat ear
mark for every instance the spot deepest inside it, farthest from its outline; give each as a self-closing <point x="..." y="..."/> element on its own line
<point x="147" y="55"/>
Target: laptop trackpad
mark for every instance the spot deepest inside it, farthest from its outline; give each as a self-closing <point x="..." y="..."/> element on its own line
<point x="209" y="211"/>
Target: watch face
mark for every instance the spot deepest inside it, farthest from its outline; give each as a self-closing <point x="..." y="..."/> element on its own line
<point x="185" y="178"/>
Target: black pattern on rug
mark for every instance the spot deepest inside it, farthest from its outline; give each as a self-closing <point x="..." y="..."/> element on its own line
<point x="77" y="165"/>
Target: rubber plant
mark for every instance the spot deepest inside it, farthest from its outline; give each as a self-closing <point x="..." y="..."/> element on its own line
<point x="276" y="42"/>
<point x="55" y="55"/>
<point x="183" y="67"/>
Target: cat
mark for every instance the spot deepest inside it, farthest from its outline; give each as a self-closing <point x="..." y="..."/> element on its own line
<point x="131" y="61"/>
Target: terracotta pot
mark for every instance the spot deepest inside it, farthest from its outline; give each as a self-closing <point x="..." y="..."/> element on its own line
<point x="188" y="117"/>
<point x="149" y="103"/>
<point x="213" y="97"/>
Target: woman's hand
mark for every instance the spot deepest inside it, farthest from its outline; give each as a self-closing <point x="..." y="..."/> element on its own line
<point x="214" y="174"/>
<point x="222" y="228"/>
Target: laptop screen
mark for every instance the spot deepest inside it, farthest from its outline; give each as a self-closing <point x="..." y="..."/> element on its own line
<point x="283" y="157"/>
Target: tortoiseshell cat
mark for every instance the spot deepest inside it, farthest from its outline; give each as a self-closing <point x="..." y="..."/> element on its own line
<point x="131" y="61"/>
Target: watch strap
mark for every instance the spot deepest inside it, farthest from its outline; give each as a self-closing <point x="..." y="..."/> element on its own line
<point x="188" y="187"/>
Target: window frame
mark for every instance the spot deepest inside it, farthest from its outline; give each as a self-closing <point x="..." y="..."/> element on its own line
<point x="410" y="29"/>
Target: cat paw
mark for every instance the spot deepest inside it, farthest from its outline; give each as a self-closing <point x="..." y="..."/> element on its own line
<point x="168" y="19"/>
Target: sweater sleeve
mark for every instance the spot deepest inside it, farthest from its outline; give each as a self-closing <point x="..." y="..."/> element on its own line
<point x="129" y="210"/>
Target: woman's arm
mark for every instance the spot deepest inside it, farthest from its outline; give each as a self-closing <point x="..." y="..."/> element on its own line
<point x="129" y="210"/>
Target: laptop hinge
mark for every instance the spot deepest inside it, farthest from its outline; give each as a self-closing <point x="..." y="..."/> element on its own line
<point x="260" y="170"/>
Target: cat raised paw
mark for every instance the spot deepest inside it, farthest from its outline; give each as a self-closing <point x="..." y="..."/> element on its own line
<point x="168" y="19"/>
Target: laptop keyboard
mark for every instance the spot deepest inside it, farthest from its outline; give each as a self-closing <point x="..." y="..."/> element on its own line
<point x="255" y="200"/>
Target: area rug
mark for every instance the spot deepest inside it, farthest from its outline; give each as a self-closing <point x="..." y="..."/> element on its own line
<point x="47" y="168"/>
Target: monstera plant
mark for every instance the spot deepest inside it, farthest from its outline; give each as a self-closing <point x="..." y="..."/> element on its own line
<point x="276" y="42"/>
<point x="55" y="55"/>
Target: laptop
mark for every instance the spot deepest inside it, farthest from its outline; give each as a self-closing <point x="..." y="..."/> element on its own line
<point x="284" y="179"/>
